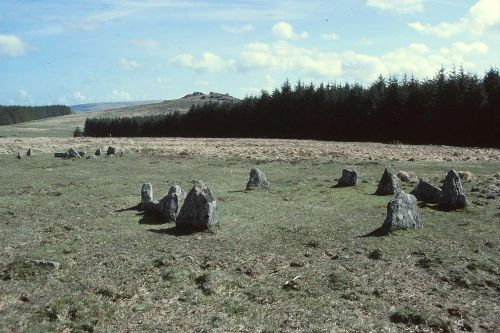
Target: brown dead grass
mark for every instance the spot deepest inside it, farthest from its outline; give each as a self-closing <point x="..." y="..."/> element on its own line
<point x="255" y="149"/>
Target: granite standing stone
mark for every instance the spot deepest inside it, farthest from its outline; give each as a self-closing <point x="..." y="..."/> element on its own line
<point x="427" y="192"/>
<point x="349" y="178"/>
<point x="146" y="196"/>
<point x="29" y="152"/>
<point x="73" y="153"/>
<point x="199" y="209"/>
<point x="169" y="205"/>
<point x="98" y="152"/>
<point x="389" y="183"/>
<point x="402" y="213"/>
<point x="111" y="151"/>
<point x="257" y="180"/>
<point x="453" y="193"/>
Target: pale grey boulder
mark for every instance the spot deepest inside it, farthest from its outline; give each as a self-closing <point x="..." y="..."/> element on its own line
<point x="349" y="178"/>
<point x="453" y="196"/>
<point x="146" y="196"/>
<point x="402" y="213"/>
<point x="257" y="180"/>
<point x="168" y="207"/>
<point x="199" y="210"/>
<point x="427" y="192"/>
<point x="73" y="153"/>
<point x="389" y="183"/>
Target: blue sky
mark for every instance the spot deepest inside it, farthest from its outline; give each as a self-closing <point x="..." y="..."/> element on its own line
<point x="71" y="52"/>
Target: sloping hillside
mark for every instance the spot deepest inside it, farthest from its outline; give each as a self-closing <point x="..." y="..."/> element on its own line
<point x="65" y="125"/>
<point x="93" y="107"/>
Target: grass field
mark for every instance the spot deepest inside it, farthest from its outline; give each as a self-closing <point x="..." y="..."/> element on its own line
<point x="284" y="260"/>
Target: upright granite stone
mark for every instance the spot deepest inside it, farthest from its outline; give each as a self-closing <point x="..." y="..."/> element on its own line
<point x="199" y="210"/>
<point x="111" y="151"/>
<point x="389" y="183"/>
<point x="146" y="196"/>
<point x="453" y="193"/>
<point x="28" y="153"/>
<point x="169" y="205"/>
<point x="257" y="180"/>
<point x="427" y="192"/>
<point x="73" y="153"/>
<point x="98" y="152"/>
<point x="349" y="178"/>
<point x="402" y="213"/>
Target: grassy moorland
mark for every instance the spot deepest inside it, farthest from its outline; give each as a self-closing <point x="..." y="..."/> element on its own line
<point x="288" y="259"/>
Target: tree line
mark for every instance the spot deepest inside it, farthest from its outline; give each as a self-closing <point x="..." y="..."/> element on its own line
<point x="12" y="114"/>
<point x="455" y="108"/>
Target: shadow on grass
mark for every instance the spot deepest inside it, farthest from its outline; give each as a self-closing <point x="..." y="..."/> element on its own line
<point x="237" y="191"/>
<point x="148" y="218"/>
<point x="175" y="231"/>
<point x="437" y="207"/>
<point x="136" y="208"/>
<point x="379" y="232"/>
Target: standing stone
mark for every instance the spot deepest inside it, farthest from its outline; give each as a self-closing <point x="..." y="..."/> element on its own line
<point x="28" y="153"/>
<point x="73" y="153"/>
<point x="146" y="196"/>
<point x="111" y="151"/>
<point x="257" y="179"/>
<point x="389" y="183"/>
<point x="98" y="152"/>
<point x="349" y="178"/>
<point x="427" y="192"/>
<point x="402" y="213"/>
<point x="453" y="194"/>
<point x="169" y="205"/>
<point x="199" y="209"/>
<point x="19" y="156"/>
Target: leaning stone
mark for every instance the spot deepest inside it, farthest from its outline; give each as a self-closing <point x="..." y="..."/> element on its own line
<point x="169" y="205"/>
<point x="427" y="192"/>
<point x="65" y="155"/>
<point x="98" y="152"/>
<point x="389" y="183"/>
<point x="257" y="179"/>
<point x="199" y="209"/>
<point x="19" y="156"/>
<point x="43" y="262"/>
<point x="146" y="196"/>
<point x="73" y="153"/>
<point x="349" y="178"/>
<point x="92" y="157"/>
<point x="28" y="153"/>
<point x="111" y="151"/>
<point x="453" y="193"/>
<point x="402" y="213"/>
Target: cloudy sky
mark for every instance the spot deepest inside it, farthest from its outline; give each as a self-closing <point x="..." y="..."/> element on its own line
<point x="71" y="52"/>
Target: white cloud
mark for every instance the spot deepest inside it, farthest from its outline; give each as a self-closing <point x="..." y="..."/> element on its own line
<point x="399" y="6"/>
<point x="12" y="45"/>
<point x="481" y="16"/>
<point x="286" y="57"/>
<point x="284" y="30"/>
<point x="130" y="64"/>
<point x="237" y="30"/>
<point x="145" y="44"/>
<point x="331" y="36"/>
<point x="416" y="59"/>
<point x="208" y="62"/>
<point x="120" y="95"/>
<point x="79" y="96"/>
<point x="25" y="96"/>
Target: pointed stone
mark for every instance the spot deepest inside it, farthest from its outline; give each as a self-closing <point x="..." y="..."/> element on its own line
<point x="427" y="192"/>
<point x="98" y="152"/>
<point x="402" y="213"/>
<point x="349" y="178"/>
<point x="389" y="183"/>
<point x="146" y="196"/>
<point x="111" y="151"/>
<point x="257" y="180"/>
<point x="169" y="205"/>
<point x="453" y="193"/>
<point x="28" y="153"/>
<point x="199" y="209"/>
